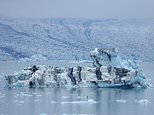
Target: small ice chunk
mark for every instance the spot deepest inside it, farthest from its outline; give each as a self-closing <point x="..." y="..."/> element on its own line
<point x="35" y="93"/>
<point x="81" y="97"/>
<point x="53" y="102"/>
<point x="92" y="101"/>
<point x="65" y="97"/>
<point x="121" y="101"/>
<point x="89" y="101"/>
<point x="38" y="95"/>
<point x="143" y="101"/>
<point x="28" y="95"/>
<point x="67" y="102"/>
<point x="21" y="102"/>
<point x="43" y="114"/>
<point x="77" y="114"/>
<point x="36" y="100"/>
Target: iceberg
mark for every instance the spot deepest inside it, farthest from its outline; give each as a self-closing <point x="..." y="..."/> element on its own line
<point x="109" y="71"/>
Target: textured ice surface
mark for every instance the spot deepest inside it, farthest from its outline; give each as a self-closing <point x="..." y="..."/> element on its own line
<point x="74" y="38"/>
<point x="52" y="76"/>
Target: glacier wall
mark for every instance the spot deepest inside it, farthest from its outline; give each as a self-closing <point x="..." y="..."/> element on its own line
<point x="72" y="39"/>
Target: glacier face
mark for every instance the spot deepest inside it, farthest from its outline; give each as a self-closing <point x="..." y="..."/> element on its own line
<point x="63" y="39"/>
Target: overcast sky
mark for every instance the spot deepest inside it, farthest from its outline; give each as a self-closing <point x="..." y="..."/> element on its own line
<point x="77" y="8"/>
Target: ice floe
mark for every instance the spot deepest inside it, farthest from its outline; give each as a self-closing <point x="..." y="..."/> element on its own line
<point x="121" y="101"/>
<point x="89" y="101"/>
<point x="142" y="101"/>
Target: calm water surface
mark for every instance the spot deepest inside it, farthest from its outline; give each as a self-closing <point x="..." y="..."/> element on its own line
<point x="78" y="101"/>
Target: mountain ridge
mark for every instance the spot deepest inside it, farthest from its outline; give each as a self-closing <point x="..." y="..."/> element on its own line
<point x="69" y="39"/>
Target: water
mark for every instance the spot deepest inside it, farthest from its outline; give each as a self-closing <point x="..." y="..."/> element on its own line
<point x="75" y="101"/>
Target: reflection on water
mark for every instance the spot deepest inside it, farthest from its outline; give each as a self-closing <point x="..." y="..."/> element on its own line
<point x="76" y="101"/>
<point x="87" y="101"/>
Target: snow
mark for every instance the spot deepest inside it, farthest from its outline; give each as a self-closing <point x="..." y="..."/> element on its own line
<point x="37" y="57"/>
<point x="72" y="39"/>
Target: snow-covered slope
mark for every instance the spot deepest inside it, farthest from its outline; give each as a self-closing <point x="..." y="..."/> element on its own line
<point x="74" y="38"/>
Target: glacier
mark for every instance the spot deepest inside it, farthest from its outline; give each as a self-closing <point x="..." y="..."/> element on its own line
<point x="72" y="39"/>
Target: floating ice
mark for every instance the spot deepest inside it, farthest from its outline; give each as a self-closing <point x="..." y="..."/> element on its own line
<point x="21" y="102"/>
<point x="43" y="114"/>
<point x="121" y="100"/>
<point x="65" y="97"/>
<point x="92" y="101"/>
<point x="53" y="102"/>
<point x="36" y="100"/>
<point x="38" y="95"/>
<point x="109" y="71"/>
<point x="89" y="101"/>
<point x="78" y="97"/>
<point x="77" y="114"/>
<point x="35" y="93"/>
<point x="28" y="95"/>
<point x="81" y="97"/>
<point x="143" y="101"/>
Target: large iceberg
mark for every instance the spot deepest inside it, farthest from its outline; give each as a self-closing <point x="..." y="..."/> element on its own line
<point x="111" y="57"/>
<point x="109" y="70"/>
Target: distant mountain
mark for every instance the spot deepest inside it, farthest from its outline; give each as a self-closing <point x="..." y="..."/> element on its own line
<point x="71" y="39"/>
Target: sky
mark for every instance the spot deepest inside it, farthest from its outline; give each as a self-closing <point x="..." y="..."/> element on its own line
<point x="77" y="8"/>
